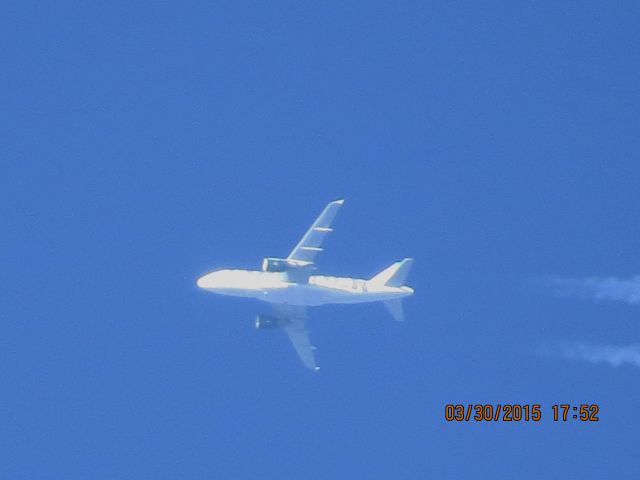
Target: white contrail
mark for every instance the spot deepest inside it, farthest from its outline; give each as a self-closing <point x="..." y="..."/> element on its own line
<point x="610" y="354"/>
<point x="600" y="288"/>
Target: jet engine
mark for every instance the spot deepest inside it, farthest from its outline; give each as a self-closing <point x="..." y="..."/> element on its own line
<point x="293" y="270"/>
<point x="271" y="264"/>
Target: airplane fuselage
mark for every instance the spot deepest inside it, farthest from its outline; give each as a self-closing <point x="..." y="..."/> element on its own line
<point x="275" y="287"/>
<point x="289" y="285"/>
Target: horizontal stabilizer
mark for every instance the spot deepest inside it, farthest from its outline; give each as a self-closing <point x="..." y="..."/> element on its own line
<point x="395" y="275"/>
<point x="395" y="309"/>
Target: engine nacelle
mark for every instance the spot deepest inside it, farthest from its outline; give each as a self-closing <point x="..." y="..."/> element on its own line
<point x="269" y="321"/>
<point x="293" y="270"/>
<point x="270" y="264"/>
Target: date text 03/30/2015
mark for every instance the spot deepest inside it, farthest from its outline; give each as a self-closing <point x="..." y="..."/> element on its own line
<point x="517" y="412"/>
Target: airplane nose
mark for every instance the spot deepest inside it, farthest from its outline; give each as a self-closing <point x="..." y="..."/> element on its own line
<point x="202" y="281"/>
<point x="211" y="280"/>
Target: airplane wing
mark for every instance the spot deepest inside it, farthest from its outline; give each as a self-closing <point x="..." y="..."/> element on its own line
<point x="311" y="242"/>
<point x="297" y="332"/>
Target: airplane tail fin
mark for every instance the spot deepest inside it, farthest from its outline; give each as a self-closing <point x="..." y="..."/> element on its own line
<point x="394" y="275"/>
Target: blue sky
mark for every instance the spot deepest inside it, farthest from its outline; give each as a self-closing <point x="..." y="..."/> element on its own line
<point x="144" y="145"/>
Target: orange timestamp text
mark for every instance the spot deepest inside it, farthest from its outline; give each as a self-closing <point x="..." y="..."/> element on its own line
<point x="516" y="412"/>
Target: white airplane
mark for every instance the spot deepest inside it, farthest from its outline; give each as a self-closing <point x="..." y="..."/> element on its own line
<point x="290" y="286"/>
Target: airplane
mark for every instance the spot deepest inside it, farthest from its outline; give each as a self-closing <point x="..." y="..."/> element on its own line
<point x="290" y="285"/>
